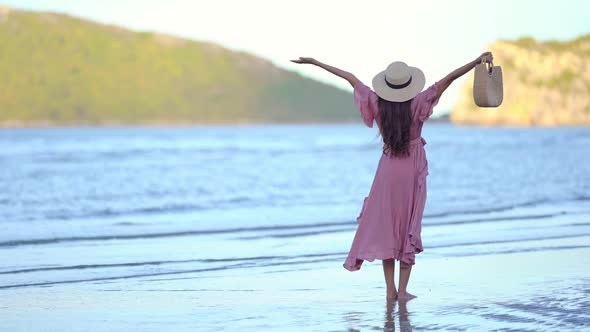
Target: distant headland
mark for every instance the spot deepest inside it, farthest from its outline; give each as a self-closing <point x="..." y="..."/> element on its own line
<point x="545" y="84"/>
<point x="61" y="70"/>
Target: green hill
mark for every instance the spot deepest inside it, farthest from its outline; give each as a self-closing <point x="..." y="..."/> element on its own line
<point x="60" y="70"/>
<point x="545" y="84"/>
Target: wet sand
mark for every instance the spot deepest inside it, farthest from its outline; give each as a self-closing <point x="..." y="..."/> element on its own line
<point x="545" y="290"/>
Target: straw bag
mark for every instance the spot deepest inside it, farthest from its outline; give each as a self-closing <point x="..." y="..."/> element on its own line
<point x="488" y="90"/>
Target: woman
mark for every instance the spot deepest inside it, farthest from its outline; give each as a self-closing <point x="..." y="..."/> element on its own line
<point x="391" y="217"/>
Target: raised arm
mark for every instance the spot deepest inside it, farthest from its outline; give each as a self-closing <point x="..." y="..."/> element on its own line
<point x="455" y="74"/>
<point x="336" y="71"/>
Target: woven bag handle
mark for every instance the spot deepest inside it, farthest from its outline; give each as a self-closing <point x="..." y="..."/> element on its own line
<point x="489" y="66"/>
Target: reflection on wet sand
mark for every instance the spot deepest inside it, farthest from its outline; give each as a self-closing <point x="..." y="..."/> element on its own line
<point x="402" y="317"/>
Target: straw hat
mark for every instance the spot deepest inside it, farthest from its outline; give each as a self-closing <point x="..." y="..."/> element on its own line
<point x="399" y="82"/>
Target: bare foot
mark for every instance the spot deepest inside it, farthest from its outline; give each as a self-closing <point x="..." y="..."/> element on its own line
<point x="392" y="295"/>
<point x="404" y="297"/>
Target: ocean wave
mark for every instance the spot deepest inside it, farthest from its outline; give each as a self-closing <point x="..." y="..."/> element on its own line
<point x="166" y="262"/>
<point x="276" y="261"/>
<point x="491" y="209"/>
<point x="240" y="202"/>
<point x="41" y="241"/>
<point x="272" y="231"/>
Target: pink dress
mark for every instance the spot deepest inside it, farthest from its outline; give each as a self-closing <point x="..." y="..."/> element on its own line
<point x="390" y="221"/>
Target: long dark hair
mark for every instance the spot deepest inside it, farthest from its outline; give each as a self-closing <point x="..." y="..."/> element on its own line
<point x="396" y="120"/>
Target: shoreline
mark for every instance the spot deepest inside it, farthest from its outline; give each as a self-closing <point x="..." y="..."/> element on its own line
<point x="182" y="125"/>
<point x="164" y="125"/>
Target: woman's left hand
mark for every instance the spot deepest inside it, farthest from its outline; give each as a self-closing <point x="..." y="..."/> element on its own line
<point x="305" y="60"/>
<point x="485" y="57"/>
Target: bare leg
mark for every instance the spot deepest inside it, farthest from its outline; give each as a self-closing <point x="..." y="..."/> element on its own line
<point x="389" y="272"/>
<point x="404" y="277"/>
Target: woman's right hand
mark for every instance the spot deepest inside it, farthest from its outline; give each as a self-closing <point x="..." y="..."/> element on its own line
<point x="305" y="60"/>
<point x="331" y="69"/>
<point x="485" y="57"/>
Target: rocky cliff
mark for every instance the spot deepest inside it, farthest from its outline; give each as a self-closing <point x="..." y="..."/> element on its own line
<point x="545" y="84"/>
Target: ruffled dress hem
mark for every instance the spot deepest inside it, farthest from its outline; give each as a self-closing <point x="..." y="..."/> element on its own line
<point x="407" y="258"/>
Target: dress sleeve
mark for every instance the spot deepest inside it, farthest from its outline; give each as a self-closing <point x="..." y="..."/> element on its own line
<point x="424" y="102"/>
<point x="366" y="102"/>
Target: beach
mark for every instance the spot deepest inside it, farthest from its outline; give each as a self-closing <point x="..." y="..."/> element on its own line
<point x="207" y="229"/>
<point x="536" y="290"/>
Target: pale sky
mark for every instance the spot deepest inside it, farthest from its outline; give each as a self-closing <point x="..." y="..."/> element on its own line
<point x="359" y="36"/>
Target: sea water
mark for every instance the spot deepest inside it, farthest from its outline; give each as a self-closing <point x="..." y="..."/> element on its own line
<point x="214" y="207"/>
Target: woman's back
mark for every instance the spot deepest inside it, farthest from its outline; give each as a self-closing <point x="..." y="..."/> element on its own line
<point x="367" y="102"/>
